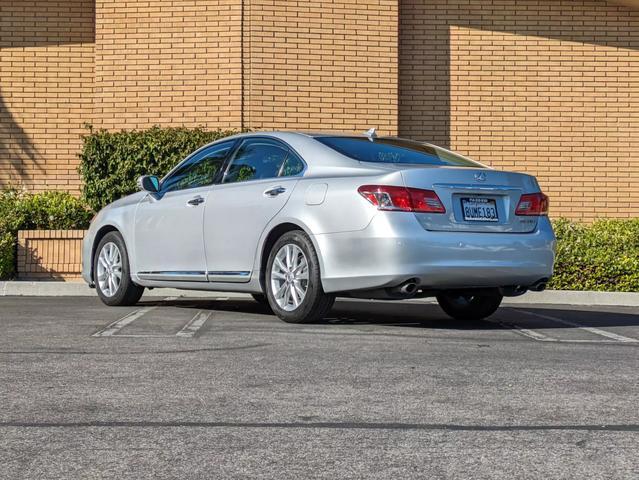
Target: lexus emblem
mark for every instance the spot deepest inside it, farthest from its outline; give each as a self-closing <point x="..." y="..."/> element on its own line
<point x="480" y="177"/>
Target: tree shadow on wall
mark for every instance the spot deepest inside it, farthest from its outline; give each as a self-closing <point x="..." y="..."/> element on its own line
<point x="19" y="158"/>
<point x="26" y="25"/>
<point x="427" y="83"/>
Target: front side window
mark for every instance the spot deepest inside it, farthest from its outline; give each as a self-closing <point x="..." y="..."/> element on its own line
<point x="200" y="170"/>
<point x="395" y="150"/>
<point x="256" y="159"/>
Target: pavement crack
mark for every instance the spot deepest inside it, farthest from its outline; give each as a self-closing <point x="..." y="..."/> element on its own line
<point x="328" y="425"/>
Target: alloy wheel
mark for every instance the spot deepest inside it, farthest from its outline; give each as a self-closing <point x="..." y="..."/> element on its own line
<point x="109" y="269"/>
<point x="289" y="277"/>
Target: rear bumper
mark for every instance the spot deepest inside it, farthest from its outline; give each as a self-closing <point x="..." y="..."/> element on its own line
<point x="395" y="247"/>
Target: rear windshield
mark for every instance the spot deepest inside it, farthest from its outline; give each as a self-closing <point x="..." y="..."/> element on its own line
<point x="394" y="150"/>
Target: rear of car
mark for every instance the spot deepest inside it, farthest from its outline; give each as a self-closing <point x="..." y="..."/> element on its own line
<point x="451" y="224"/>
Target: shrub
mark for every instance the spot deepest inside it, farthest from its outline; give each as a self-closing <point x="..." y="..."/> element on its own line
<point x="111" y="162"/>
<point x="47" y="211"/>
<point x="7" y="255"/>
<point x="601" y="256"/>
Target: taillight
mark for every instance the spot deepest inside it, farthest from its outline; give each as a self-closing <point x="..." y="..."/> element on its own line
<point x="403" y="199"/>
<point x="532" y="204"/>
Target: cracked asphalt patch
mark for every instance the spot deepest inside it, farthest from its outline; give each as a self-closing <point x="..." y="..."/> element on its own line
<point x="382" y="390"/>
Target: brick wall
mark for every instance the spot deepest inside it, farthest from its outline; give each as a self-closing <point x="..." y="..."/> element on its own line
<point x="325" y="65"/>
<point x="167" y="62"/>
<point x="46" y="85"/>
<point x="549" y="87"/>
<point x="50" y="254"/>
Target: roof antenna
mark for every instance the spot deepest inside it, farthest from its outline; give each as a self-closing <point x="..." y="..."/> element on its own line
<point x="371" y="134"/>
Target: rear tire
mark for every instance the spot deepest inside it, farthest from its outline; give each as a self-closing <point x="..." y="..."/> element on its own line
<point x="112" y="274"/>
<point x="293" y="285"/>
<point x="469" y="307"/>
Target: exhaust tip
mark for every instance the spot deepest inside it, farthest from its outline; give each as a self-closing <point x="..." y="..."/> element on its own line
<point x="408" y="288"/>
<point x="539" y="286"/>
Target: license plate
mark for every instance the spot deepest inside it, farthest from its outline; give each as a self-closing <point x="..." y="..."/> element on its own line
<point x="479" y="209"/>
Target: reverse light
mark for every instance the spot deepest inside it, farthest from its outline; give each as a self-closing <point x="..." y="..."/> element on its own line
<point x="535" y="204"/>
<point x="402" y="199"/>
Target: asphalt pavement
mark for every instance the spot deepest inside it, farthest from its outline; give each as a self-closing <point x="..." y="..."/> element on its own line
<point x="197" y="388"/>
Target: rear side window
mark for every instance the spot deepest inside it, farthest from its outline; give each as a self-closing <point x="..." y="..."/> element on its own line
<point x="256" y="159"/>
<point x="292" y="166"/>
<point x="394" y="150"/>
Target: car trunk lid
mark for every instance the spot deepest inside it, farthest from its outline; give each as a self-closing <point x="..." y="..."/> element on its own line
<point x="476" y="199"/>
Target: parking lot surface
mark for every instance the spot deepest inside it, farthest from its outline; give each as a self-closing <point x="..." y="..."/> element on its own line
<point x="220" y="388"/>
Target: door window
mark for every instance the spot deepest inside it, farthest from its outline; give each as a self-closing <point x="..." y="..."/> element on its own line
<point x="256" y="159"/>
<point x="200" y="170"/>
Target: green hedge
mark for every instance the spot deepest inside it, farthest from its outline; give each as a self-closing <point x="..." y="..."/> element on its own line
<point x="46" y="211"/>
<point x="602" y="256"/>
<point x="111" y="162"/>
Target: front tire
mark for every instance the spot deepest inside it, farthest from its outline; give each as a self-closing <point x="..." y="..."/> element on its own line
<point x="293" y="284"/>
<point x="112" y="274"/>
<point x="469" y="307"/>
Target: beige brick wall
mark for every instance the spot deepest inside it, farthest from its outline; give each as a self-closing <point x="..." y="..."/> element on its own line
<point x="325" y="65"/>
<point x="549" y="87"/>
<point x="167" y="62"/>
<point x="50" y="254"/>
<point x="46" y="84"/>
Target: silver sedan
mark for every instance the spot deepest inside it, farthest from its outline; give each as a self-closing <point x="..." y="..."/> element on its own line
<point x="296" y="219"/>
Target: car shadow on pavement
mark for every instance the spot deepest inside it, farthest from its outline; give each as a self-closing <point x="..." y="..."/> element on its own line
<point x="429" y="315"/>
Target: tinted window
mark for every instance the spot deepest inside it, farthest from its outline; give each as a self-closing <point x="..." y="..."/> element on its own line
<point x="199" y="170"/>
<point x="393" y="150"/>
<point x="256" y="159"/>
<point x="292" y="166"/>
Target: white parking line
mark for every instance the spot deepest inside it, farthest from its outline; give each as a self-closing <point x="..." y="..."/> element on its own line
<point x="191" y="328"/>
<point x="115" y="327"/>
<point x="540" y="337"/>
<point x="593" y="330"/>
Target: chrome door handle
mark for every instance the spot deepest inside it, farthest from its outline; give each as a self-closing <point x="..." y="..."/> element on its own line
<point x="195" y="201"/>
<point x="274" y="191"/>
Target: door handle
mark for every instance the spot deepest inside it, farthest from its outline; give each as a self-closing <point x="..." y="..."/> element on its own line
<point x="274" y="191"/>
<point x="195" y="201"/>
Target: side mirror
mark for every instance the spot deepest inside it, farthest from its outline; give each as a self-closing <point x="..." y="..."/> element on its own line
<point x="149" y="183"/>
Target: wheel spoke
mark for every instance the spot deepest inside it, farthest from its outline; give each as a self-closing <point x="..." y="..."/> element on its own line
<point x="301" y="265"/>
<point x="298" y="290"/>
<point x="281" y="291"/>
<point x="296" y="301"/>
<point x="289" y="259"/>
<point x="279" y="264"/>
<point x="287" y="295"/>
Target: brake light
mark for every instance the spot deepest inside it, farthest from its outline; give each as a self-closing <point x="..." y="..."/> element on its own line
<point x="403" y="199"/>
<point x="532" y="204"/>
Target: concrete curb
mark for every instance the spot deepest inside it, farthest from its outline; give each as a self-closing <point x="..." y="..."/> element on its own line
<point x="79" y="289"/>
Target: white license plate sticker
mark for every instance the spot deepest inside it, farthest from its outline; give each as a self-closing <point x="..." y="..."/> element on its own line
<point x="479" y="209"/>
